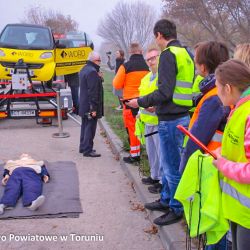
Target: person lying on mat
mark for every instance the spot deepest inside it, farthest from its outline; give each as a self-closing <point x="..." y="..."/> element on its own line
<point x="23" y="177"/>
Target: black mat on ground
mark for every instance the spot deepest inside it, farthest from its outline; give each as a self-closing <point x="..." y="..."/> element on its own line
<point x="61" y="193"/>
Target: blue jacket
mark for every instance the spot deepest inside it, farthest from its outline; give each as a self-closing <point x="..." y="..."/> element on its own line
<point x="44" y="172"/>
<point x="212" y="116"/>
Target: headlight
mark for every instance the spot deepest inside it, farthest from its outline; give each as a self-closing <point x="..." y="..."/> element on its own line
<point x="46" y="55"/>
<point x="2" y="53"/>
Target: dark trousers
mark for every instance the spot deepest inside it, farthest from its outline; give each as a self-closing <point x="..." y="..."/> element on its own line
<point x="240" y="237"/>
<point x="88" y="129"/>
<point x="75" y="97"/>
<point x="23" y="181"/>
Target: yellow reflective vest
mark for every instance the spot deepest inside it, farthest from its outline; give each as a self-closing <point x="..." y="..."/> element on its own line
<point x="196" y="86"/>
<point x="148" y="86"/>
<point x="236" y="196"/>
<point x="140" y="131"/>
<point x="185" y="75"/>
<point x="196" y="89"/>
<point x="199" y="192"/>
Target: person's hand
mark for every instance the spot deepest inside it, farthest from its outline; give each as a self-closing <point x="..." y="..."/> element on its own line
<point x="132" y="103"/>
<point x="100" y="73"/>
<point x="5" y="179"/>
<point x="93" y="113"/>
<point x="217" y="152"/>
<point x="151" y="109"/>
<point x="46" y="178"/>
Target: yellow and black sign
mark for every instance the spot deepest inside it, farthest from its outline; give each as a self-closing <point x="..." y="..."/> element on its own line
<point x="71" y="60"/>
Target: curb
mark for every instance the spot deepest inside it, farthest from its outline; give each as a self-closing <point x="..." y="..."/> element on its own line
<point x="173" y="236"/>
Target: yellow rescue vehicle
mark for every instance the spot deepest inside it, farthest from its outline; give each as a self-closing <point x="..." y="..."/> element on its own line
<point x="44" y="56"/>
<point x="30" y="55"/>
<point x="73" y="51"/>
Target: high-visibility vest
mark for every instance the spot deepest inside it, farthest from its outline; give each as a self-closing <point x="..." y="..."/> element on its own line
<point x="196" y="89"/>
<point x="217" y="137"/>
<point x="185" y="75"/>
<point x="196" y="85"/>
<point x="236" y="196"/>
<point x="140" y="131"/>
<point x="199" y="192"/>
<point x="147" y="86"/>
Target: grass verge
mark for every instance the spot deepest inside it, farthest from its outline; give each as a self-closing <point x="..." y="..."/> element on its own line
<point x="115" y="120"/>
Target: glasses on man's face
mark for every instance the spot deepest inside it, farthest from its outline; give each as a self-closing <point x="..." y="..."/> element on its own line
<point x="151" y="58"/>
<point x="98" y="60"/>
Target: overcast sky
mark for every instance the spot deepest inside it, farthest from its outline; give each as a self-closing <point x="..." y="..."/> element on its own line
<point x="87" y="13"/>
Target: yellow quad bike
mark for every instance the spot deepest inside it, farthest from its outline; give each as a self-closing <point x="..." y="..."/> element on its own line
<point x="36" y="47"/>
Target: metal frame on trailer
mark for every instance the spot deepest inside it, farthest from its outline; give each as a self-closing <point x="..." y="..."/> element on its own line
<point x="33" y="103"/>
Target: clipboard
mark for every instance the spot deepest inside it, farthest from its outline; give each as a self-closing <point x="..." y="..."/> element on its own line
<point x="195" y="140"/>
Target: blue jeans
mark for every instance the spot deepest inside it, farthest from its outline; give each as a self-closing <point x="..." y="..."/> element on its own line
<point x="171" y="141"/>
<point x="221" y="245"/>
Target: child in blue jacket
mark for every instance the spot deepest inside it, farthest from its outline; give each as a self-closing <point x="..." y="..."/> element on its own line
<point x="212" y="114"/>
<point x="23" y="177"/>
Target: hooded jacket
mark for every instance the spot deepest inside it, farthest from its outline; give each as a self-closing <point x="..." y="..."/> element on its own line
<point x="212" y="116"/>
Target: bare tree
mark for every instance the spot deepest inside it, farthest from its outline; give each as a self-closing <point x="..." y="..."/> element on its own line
<point x="126" y="23"/>
<point x="53" y="19"/>
<point x="223" y="20"/>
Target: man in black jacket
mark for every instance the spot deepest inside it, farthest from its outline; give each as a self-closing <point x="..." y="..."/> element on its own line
<point x="172" y="100"/>
<point x="91" y="103"/>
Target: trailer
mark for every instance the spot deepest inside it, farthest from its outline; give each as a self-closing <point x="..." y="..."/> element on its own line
<point x="30" y="60"/>
<point x="24" y="98"/>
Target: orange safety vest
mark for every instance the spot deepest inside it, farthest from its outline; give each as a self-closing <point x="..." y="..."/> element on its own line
<point x="217" y="137"/>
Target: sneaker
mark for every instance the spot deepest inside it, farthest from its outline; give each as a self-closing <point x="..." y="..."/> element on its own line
<point x="8" y="208"/>
<point x="156" y="206"/>
<point x="131" y="159"/>
<point x="37" y="203"/>
<point x="167" y="219"/>
<point x="155" y="189"/>
<point x="149" y="181"/>
<point x="2" y="207"/>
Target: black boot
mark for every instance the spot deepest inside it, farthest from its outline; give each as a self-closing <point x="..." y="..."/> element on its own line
<point x="131" y="159"/>
<point x="169" y="218"/>
<point x="149" y="181"/>
<point x="156" y="206"/>
<point x="155" y="189"/>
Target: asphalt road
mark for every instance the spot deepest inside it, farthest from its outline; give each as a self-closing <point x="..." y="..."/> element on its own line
<point x="105" y="193"/>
